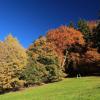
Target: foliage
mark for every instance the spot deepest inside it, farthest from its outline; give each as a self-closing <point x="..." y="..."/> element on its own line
<point x="44" y="63"/>
<point x="71" y="24"/>
<point x="34" y="73"/>
<point x="83" y="27"/>
<point x="97" y="36"/>
<point x="63" y="37"/>
<point x="85" y="63"/>
<point x="90" y="62"/>
<point x="13" y="59"/>
<point x="62" y="50"/>
<point x="66" y="40"/>
<point x="92" y="56"/>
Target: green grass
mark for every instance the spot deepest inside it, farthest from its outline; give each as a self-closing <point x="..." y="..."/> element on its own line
<point x="86" y="88"/>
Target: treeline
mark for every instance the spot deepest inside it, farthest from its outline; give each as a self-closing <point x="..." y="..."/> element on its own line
<point x="65" y="51"/>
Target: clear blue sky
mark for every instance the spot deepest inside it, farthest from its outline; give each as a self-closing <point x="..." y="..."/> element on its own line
<point x="28" y="19"/>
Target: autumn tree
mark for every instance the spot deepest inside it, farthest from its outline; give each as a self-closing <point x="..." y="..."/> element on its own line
<point x="90" y="62"/>
<point x="63" y="37"/>
<point x="13" y="59"/>
<point x="67" y="40"/>
<point x="44" y="63"/>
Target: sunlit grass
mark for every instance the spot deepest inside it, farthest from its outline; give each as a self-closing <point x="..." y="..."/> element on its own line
<point x="85" y="88"/>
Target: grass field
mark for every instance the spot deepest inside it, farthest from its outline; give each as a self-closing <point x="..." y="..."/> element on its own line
<point x="85" y="88"/>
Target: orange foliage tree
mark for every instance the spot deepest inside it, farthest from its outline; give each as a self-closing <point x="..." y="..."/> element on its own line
<point x="63" y="37"/>
<point x="90" y="61"/>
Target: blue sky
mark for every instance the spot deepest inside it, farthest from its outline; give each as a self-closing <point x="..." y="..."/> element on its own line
<point x="28" y="19"/>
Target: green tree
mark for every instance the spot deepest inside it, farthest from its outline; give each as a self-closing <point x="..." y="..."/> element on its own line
<point x="83" y="27"/>
<point x="71" y="24"/>
<point x="97" y="36"/>
<point x="99" y="15"/>
<point x="44" y="64"/>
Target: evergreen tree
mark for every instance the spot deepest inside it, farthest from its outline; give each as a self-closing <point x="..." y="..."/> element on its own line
<point x="71" y="24"/>
<point x="83" y="27"/>
<point x="97" y="36"/>
<point x="99" y="15"/>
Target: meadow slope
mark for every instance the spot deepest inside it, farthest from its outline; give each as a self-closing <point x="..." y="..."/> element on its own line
<point x="85" y="88"/>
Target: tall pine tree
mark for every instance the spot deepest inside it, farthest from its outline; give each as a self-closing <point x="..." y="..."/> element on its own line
<point x="83" y="27"/>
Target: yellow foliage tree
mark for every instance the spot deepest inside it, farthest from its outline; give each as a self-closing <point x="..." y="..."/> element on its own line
<point x="13" y="59"/>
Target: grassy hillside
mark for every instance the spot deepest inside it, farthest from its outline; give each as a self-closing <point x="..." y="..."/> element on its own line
<point x="87" y="88"/>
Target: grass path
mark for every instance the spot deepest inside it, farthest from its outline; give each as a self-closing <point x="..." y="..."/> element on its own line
<point x="86" y="88"/>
